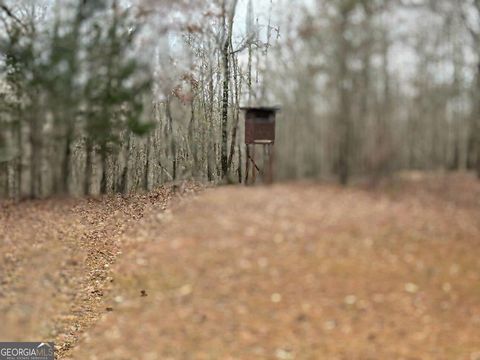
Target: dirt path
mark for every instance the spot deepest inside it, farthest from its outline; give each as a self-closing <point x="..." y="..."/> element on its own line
<point x="55" y="263"/>
<point x="289" y="272"/>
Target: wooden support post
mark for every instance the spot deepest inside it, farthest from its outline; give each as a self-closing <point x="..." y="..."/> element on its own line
<point x="247" y="165"/>
<point x="271" y="161"/>
<point x="264" y="164"/>
<point x="254" y="168"/>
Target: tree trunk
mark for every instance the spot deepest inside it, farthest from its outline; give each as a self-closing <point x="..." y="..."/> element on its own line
<point x="227" y="46"/>
<point x="35" y="158"/>
<point x="67" y="158"/>
<point x="104" y="180"/>
<point x="146" y="179"/>
<point x="123" y="181"/>
<point x="476" y="122"/>
<point x="236" y="98"/>
<point x="171" y="137"/>
<point x="343" y="111"/>
<point x="19" y="162"/>
<point x="87" y="181"/>
<point x="224" y="123"/>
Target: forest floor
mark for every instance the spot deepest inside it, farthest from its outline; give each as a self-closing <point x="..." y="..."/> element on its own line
<point x="293" y="271"/>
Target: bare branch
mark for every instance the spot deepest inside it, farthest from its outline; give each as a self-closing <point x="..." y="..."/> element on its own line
<point x="11" y="15"/>
<point x="250" y="40"/>
<point x="475" y="35"/>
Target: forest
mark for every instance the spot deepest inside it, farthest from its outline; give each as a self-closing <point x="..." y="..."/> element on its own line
<point x="102" y="97"/>
<point x="240" y="179"/>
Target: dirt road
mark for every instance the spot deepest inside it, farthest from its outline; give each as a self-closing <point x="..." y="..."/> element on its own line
<point x="298" y="271"/>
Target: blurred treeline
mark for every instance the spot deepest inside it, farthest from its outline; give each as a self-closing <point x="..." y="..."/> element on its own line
<point x="72" y="90"/>
<point x="377" y="86"/>
<point x="104" y="96"/>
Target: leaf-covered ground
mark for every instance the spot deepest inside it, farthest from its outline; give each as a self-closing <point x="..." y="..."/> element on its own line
<point x="55" y="258"/>
<point x="295" y="271"/>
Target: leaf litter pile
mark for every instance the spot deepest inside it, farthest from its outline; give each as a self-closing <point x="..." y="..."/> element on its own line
<point x="295" y="271"/>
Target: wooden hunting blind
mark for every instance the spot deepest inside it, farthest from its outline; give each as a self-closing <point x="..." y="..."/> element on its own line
<point x="260" y="124"/>
<point x="260" y="130"/>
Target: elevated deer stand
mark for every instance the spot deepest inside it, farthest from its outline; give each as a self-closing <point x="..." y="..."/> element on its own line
<point x="259" y="130"/>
